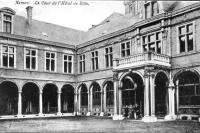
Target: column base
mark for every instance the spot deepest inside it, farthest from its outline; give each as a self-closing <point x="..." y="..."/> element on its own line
<point x="88" y="114"/>
<point x="59" y="114"/>
<point x="149" y="119"/>
<point x="170" y="117"/>
<point x="40" y="114"/>
<point x="19" y="116"/>
<point x="102" y="114"/>
<point x="117" y="117"/>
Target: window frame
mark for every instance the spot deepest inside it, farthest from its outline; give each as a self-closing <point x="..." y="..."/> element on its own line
<point x="185" y="35"/>
<point x="109" y="54"/>
<point x="125" y="42"/>
<point x="36" y="56"/>
<point x="82" y="62"/>
<point x="55" y="61"/>
<point x="15" y="57"/>
<point x="96" y="60"/>
<point x="155" y="42"/>
<point x="11" y="22"/>
<point x="72" y="71"/>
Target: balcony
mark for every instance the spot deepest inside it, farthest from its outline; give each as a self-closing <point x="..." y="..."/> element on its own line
<point x="143" y="59"/>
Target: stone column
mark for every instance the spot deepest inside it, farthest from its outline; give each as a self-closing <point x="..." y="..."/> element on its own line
<point x="171" y="91"/>
<point x="120" y="102"/>
<point x="19" y="104"/>
<point x="152" y="90"/>
<point x="40" y="104"/>
<point x="89" y="111"/>
<point x="75" y="103"/>
<point x="149" y="96"/>
<point x="59" y="103"/>
<point x="91" y="101"/>
<point x="102" y="103"/>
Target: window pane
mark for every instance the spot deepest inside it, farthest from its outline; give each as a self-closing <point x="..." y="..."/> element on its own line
<point x="5" y="60"/>
<point x="52" y="65"/>
<point x="97" y="65"/>
<point x="48" y="55"/>
<point x="151" y="38"/>
<point x="123" y="46"/>
<point x="111" y="60"/>
<point x="28" y="62"/>
<point x="65" y="57"/>
<point x="110" y="49"/>
<point x="27" y="52"/>
<point x="145" y="48"/>
<point x="52" y="55"/>
<point x="190" y="42"/>
<point x="123" y="53"/>
<point x="33" y="63"/>
<point x="128" y="45"/>
<point x="106" y="50"/>
<point x="33" y="52"/>
<point x="92" y="63"/>
<point x="182" y="30"/>
<point x="80" y="67"/>
<point x="182" y="44"/>
<point x="5" y="49"/>
<point x="198" y="90"/>
<point x="189" y="28"/>
<point x="158" y="47"/>
<point x="47" y="64"/>
<point x="92" y="54"/>
<point x="152" y="47"/>
<point x="158" y="36"/>
<point x="11" y="60"/>
<point x="69" y="58"/>
<point x="70" y="67"/>
<point x="65" y="66"/>
<point x="11" y="50"/>
<point x="83" y="66"/>
<point x="128" y="52"/>
<point x="107" y="61"/>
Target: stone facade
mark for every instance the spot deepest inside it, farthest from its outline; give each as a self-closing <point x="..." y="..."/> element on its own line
<point x="155" y="66"/>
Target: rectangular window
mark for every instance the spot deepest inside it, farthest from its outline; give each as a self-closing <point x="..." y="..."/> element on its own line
<point x="125" y="49"/>
<point x="50" y="61"/>
<point x="152" y="42"/>
<point x="95" y="64"/>
<point x="186" y="43"/>
<point x="8" y="56"/>
<point x="7" y="23"/>
<point x="82" y="63"/>
<point x="67" y="61"/>
<point x="109" y="57"/>
<point x="30" y="59"/>
<point x="147" y="10"/>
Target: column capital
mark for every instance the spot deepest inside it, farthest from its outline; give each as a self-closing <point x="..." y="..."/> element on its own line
<point x="20" y="91"/>
<point x="115" y="76"/>
<point x="149" y="71"/>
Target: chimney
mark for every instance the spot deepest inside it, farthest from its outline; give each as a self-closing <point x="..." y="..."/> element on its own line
<point x="29" y="10"/>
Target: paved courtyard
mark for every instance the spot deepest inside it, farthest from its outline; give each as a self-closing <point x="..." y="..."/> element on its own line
<point x="97" y="124"/>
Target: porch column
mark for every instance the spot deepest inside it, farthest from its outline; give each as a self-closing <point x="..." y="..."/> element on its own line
<point x="40" y="104"/>
<point x="116" y="85"/>
<point x="149" y="96"/>
<point x="102" y="103"/>
<point x="19" y="104"/>
<point x="75" y="104"/>
<point x="79" y="103"/>
<point x="152" y="92"/>
<point x="89" y="111"/>
<point x="59" y="103"/>
<point x="171" y="91"/>
<point x="120" y="102"/>
<point x="91" y="101"/>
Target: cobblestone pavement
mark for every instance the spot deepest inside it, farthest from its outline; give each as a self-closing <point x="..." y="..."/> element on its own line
<point x="97" y="124"/>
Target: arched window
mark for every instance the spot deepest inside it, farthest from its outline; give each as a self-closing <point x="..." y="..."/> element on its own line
<point x="96" y="94"/>
<point x="109" y="94"/>
<point x="189" y="89"/>
<point x="84" y="96"/>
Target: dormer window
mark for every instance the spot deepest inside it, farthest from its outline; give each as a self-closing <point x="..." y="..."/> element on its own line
<point x="7" y="17"/>
<point x="7" y="23"/>
<point x="151" y="9"/>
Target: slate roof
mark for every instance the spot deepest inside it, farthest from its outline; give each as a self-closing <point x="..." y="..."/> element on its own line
<point x="46" y="31"/>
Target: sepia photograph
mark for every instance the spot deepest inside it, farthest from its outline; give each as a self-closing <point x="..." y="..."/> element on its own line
<point x="99" y="66"/>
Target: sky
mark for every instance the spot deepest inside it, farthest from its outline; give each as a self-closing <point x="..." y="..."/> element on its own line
<point x="71" y="14"/>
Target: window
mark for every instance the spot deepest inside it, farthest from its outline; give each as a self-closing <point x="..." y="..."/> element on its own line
<point x="96" y="92"/>
<point x="186" y="43"/>
<point x="125" y="49"/>
<point x="84" y="96"/>
<point x="7" y="23"/>
<point x="151" y="9"/>
<point x="50" y="61"/>
<point x="109" y="57"/>
<point x="95" y="65"/>
<point x="82" y="63"/>
<point x="109" y="94"/>
<point x="152" y="43"/>
<point x="30" y="59"/>
<point x="67" y="61"/>
<point x="8" y="56"/>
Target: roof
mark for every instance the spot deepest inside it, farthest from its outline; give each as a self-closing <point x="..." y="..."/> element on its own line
<point x="46" y="31"/>
<point x="55" y="33"/>
<point x="111" y="24"/>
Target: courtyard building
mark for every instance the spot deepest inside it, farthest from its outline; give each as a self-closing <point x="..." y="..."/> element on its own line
<point x="147" y="58"/>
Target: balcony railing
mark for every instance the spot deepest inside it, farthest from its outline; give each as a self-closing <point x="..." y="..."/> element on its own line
<point x="142" y="59"/>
